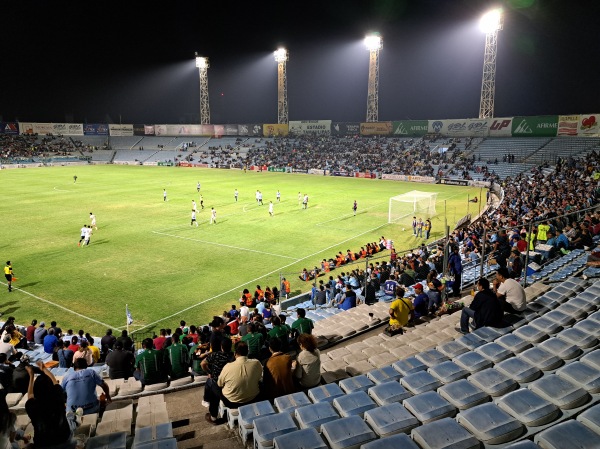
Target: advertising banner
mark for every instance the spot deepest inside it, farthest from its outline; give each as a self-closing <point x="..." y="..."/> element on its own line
<point x="364" y="175"/>
<point x="95" y="129"/>
<point x="43" y="128"/>
<point x="376" y="128"/>
<point x="460" y="127"/>
<point x="318" y="171"/>
<point x="535" y="126"/>
<point x="310" y="127"/>
<point x="139" y="130"/>
<point x="275" y="129"/>
<point x="454" y="182"/>
<point x="589" y="125"/>
<point x="9" y="128"/>
<point x="183" y="130"/>
<point x="567" y="125"/>
<point x="74" y="129"/>
<point x="218" y="130"/>
<point x="149" y="130"/>
<point x="500" y="127"/>
<point x="410" y="178"/>
<point x="25" y="128"/>
<point x="410" y="128"/>
<point x="345" y="129"/>
<point x="120" y="130"/>
<point x="277" y="169"/>
<point x="255" y="129"/>
<point x="343" y="173"/>
<point x="231" y="130"/>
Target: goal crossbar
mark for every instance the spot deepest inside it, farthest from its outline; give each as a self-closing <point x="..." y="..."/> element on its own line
<point x="411" y="203"/>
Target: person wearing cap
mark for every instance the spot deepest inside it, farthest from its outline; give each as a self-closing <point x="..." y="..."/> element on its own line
<point x="421" y="301"/>
<point x="120" y="363"/>
<point x="40" y="333"/>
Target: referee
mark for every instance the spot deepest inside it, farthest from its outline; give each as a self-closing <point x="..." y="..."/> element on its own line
<point x="8" y="274"/>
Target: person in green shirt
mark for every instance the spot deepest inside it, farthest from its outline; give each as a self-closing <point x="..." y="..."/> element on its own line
<point x="178" y="359"/>
<point x="542" y="234"/>
<point x="282" y="332"/>
<point x="302" y="325"/>
<point x="254" y="340"/>
<point x="150" y="365"/>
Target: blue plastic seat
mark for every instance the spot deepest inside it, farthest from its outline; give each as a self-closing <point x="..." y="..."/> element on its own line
<point x="249" y="413"/>
<point x="269" y="427"/>
<point x="431" y="357"/>
<point x="561" y="348"/>
<point x="561" y="392"/>
<point x="300" y="439"/>
<point x="420" y="382"/>
<point x="472" y="362"/>
<point x="356" y="403"/>
<point x="325" y="393"/>
<point x="409" y="365"/>
<point x="569" y="434"/>
<point x="541" y="359"/>
<point x="147" y="434"/>
<point x="356" y="383"/>
<point x="519" y="370"/>
<point x="492" y="382"/>
<point x="582" y="375"/>
<point x="346" y="433"/>
<point x="388" y="393"/>
<point x="393" y="442"/>
<point x="529" y="408"/>
<point x="494" y="352"/>
<point x="429" y="406"/>
<point x="447" y="372"/>
<point x="490" y="424"/>
<point x="385" y="374"/>
<point x="312" y="416"/>
<point x="442" y="434"/>
<point x="390" y="419"/>
<point x="291" y="402"/>
<point x="463" y="394"/>
<point x="513" y="343"/>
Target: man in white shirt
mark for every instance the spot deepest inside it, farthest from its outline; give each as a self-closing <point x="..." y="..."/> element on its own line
<point x="93" y="220"/>
<point x="271" y="208"/>
<point x="83" y="232"/>
<point x="510" y="292"/>
<point x="194" y="218"/>
<point x="213" y="216"/>
<point x="194" y="208"/>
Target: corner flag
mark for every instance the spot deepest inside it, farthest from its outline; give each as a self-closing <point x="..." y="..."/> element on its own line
<point x="129" y="317"/>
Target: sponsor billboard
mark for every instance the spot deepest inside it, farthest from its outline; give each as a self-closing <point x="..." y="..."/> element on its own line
<point x="149" y="130"/>
<point x="120" y="130"/>
<point x="567" y="125"/>
<point x="310" y="127"/>
<point x="589" y="125"/>
<point x="9" y="128"/>
<point x="411" y="178"/>
<point x="95" y="129"/>
<point x="376" y="128"/>
<point x="454" y="182"/>
<point x="184" y="130"/>
<point x="275" y="129"/>
<point x="231" y="130"/>
<point x="139" y="130"/>
<point x="410" y="128"/>
<point x="365" y="175"/>
<point x="460" y="127"/>
<point x="500" y="127"/>
<point x="218" y="130"/>
<point x="345" y="129"/>
<point x="535" y="126"/>
<point x="252" y="129"/>
<point x="74" y="129"/>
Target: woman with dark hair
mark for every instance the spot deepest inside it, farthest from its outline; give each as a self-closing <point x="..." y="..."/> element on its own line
<point x="45" y="407"/>
<point x="307" y="366"/>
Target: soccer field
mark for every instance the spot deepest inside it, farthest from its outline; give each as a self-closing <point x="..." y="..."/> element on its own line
<point x="146" y="254"/>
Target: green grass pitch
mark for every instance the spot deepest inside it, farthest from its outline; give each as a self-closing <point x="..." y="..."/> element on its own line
<point x="146" y="254"/>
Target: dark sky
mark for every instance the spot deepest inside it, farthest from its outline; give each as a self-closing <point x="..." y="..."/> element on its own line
<point x="132" y="61"/>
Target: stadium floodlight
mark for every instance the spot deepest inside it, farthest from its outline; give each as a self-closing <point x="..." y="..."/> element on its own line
<point x="374" y="44"/>
<point x="203" y="65"/>
<point x="490" y="24"/>
<point x="281" y="57"/>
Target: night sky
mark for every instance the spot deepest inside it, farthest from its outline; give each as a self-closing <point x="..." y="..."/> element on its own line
<point x="133" y="61"/>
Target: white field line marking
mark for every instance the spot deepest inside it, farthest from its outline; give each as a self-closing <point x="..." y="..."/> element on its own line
<point x="61" y="190"/>
<point x="226" y="246"/>
<point x="321" y="223"/>
<point x="62" y="308"/>
<point x="238" y="287"/>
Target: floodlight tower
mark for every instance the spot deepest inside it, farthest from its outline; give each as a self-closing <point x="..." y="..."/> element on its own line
<point x="373" y="43"/>
<point x="203" y="65"/>
<point x="490" y="24"/>
<point x="281" y="56"/>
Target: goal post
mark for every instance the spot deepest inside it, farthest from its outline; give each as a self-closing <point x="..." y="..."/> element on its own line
<point x="413" y="203"/>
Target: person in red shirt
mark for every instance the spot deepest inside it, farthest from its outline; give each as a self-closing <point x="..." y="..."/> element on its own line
<point x="30" y="331"/>
<point x="74" y="346"/>
<point x="193" y="334"/>
<point x="159" y="341"/>
<point x="234" y="326"/>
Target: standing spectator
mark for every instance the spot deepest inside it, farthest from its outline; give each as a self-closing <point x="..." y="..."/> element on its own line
<point x="45" y="407"/>
<point x="80" y="387"/>
<point x="216" y="337"/>
<point x="178" y="357"/>
<point x="307" y="366"/>
<point x="150" y="365"/>
<point x="277" y="375"/>
<point x="455" y="268"/>
<point x="107" y="343"/>
<point x="120" y="363"/>
<point x="126" y="341"/>
<point x="40" y="333"/>
<point x="6" y="373"/>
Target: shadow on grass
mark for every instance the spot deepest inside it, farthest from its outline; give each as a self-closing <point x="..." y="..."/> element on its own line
<point x="10" y="310"/>
<point x="9" y="303"/>
<point x="29" y="284"/>
<point x="100" y="242"/>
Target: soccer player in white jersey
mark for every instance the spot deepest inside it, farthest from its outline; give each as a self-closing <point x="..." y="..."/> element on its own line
<point x="271" y="208"/>
<point x="164" y="195"/>
<point x="213" y="216"/>
<point x="194" y="218"/>
<point x="88" y="234"/>
<point x="278" y="196"/>
<point x="235" y="195"/>
<point x="83" y="232"/>
<point x="194" y="208"/>
<point x="93" y="220"/>
<point x="198" y="186"/>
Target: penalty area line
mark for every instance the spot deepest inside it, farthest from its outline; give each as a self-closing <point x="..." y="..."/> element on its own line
<point x="62" y="307"/>
<point x="225" y="246"/>
<point x="238" y="287"/>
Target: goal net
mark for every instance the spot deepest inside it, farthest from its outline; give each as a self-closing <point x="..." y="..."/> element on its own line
<point x="414" y="203"/>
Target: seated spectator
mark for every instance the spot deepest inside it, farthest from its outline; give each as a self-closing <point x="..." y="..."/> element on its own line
<point x="80" y="387"/>
<point x="212" y="365"/>
<point x="216" y="337"/>
<point x="6" y="348"/>
<point x="50" y="342"/>
<point x="74" y="345"/>
<point x="421" y="302"/>
<point x="234" y="326"/>
<point x="150" y="365"/>
<point x="267" y="313"/>
<point x="321" y="296"/>
<point x="45" y="407"/>
<point x="307" y="366"/>
<point x="348" y="300"/>
<point x="39" y="334"/>
<point x="121" y="363"/>
<point x="85" y="353"/>
<point x="239" y="383"/>
<point x="57" y="330"/>
<point x="65" y="355"/>
<point x="16" y="338"/>
<point x="389" y="287"/>
<point x="6" y="373"/>
<point x="30" y="333"/>
<point x="515" y="262"/>
<point x="401" y="312"/>
<point x="302" y="325"/>
<point x="126" y="341"/>
<point x="178" y="358"/>
<point x="160" y="340"/>
<point x="254" y="340"/>
<point x="485" y="309"/>
<point x="277" y="375"/>
<point x="511" y="293"/>
<point x="107" y="343"/>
